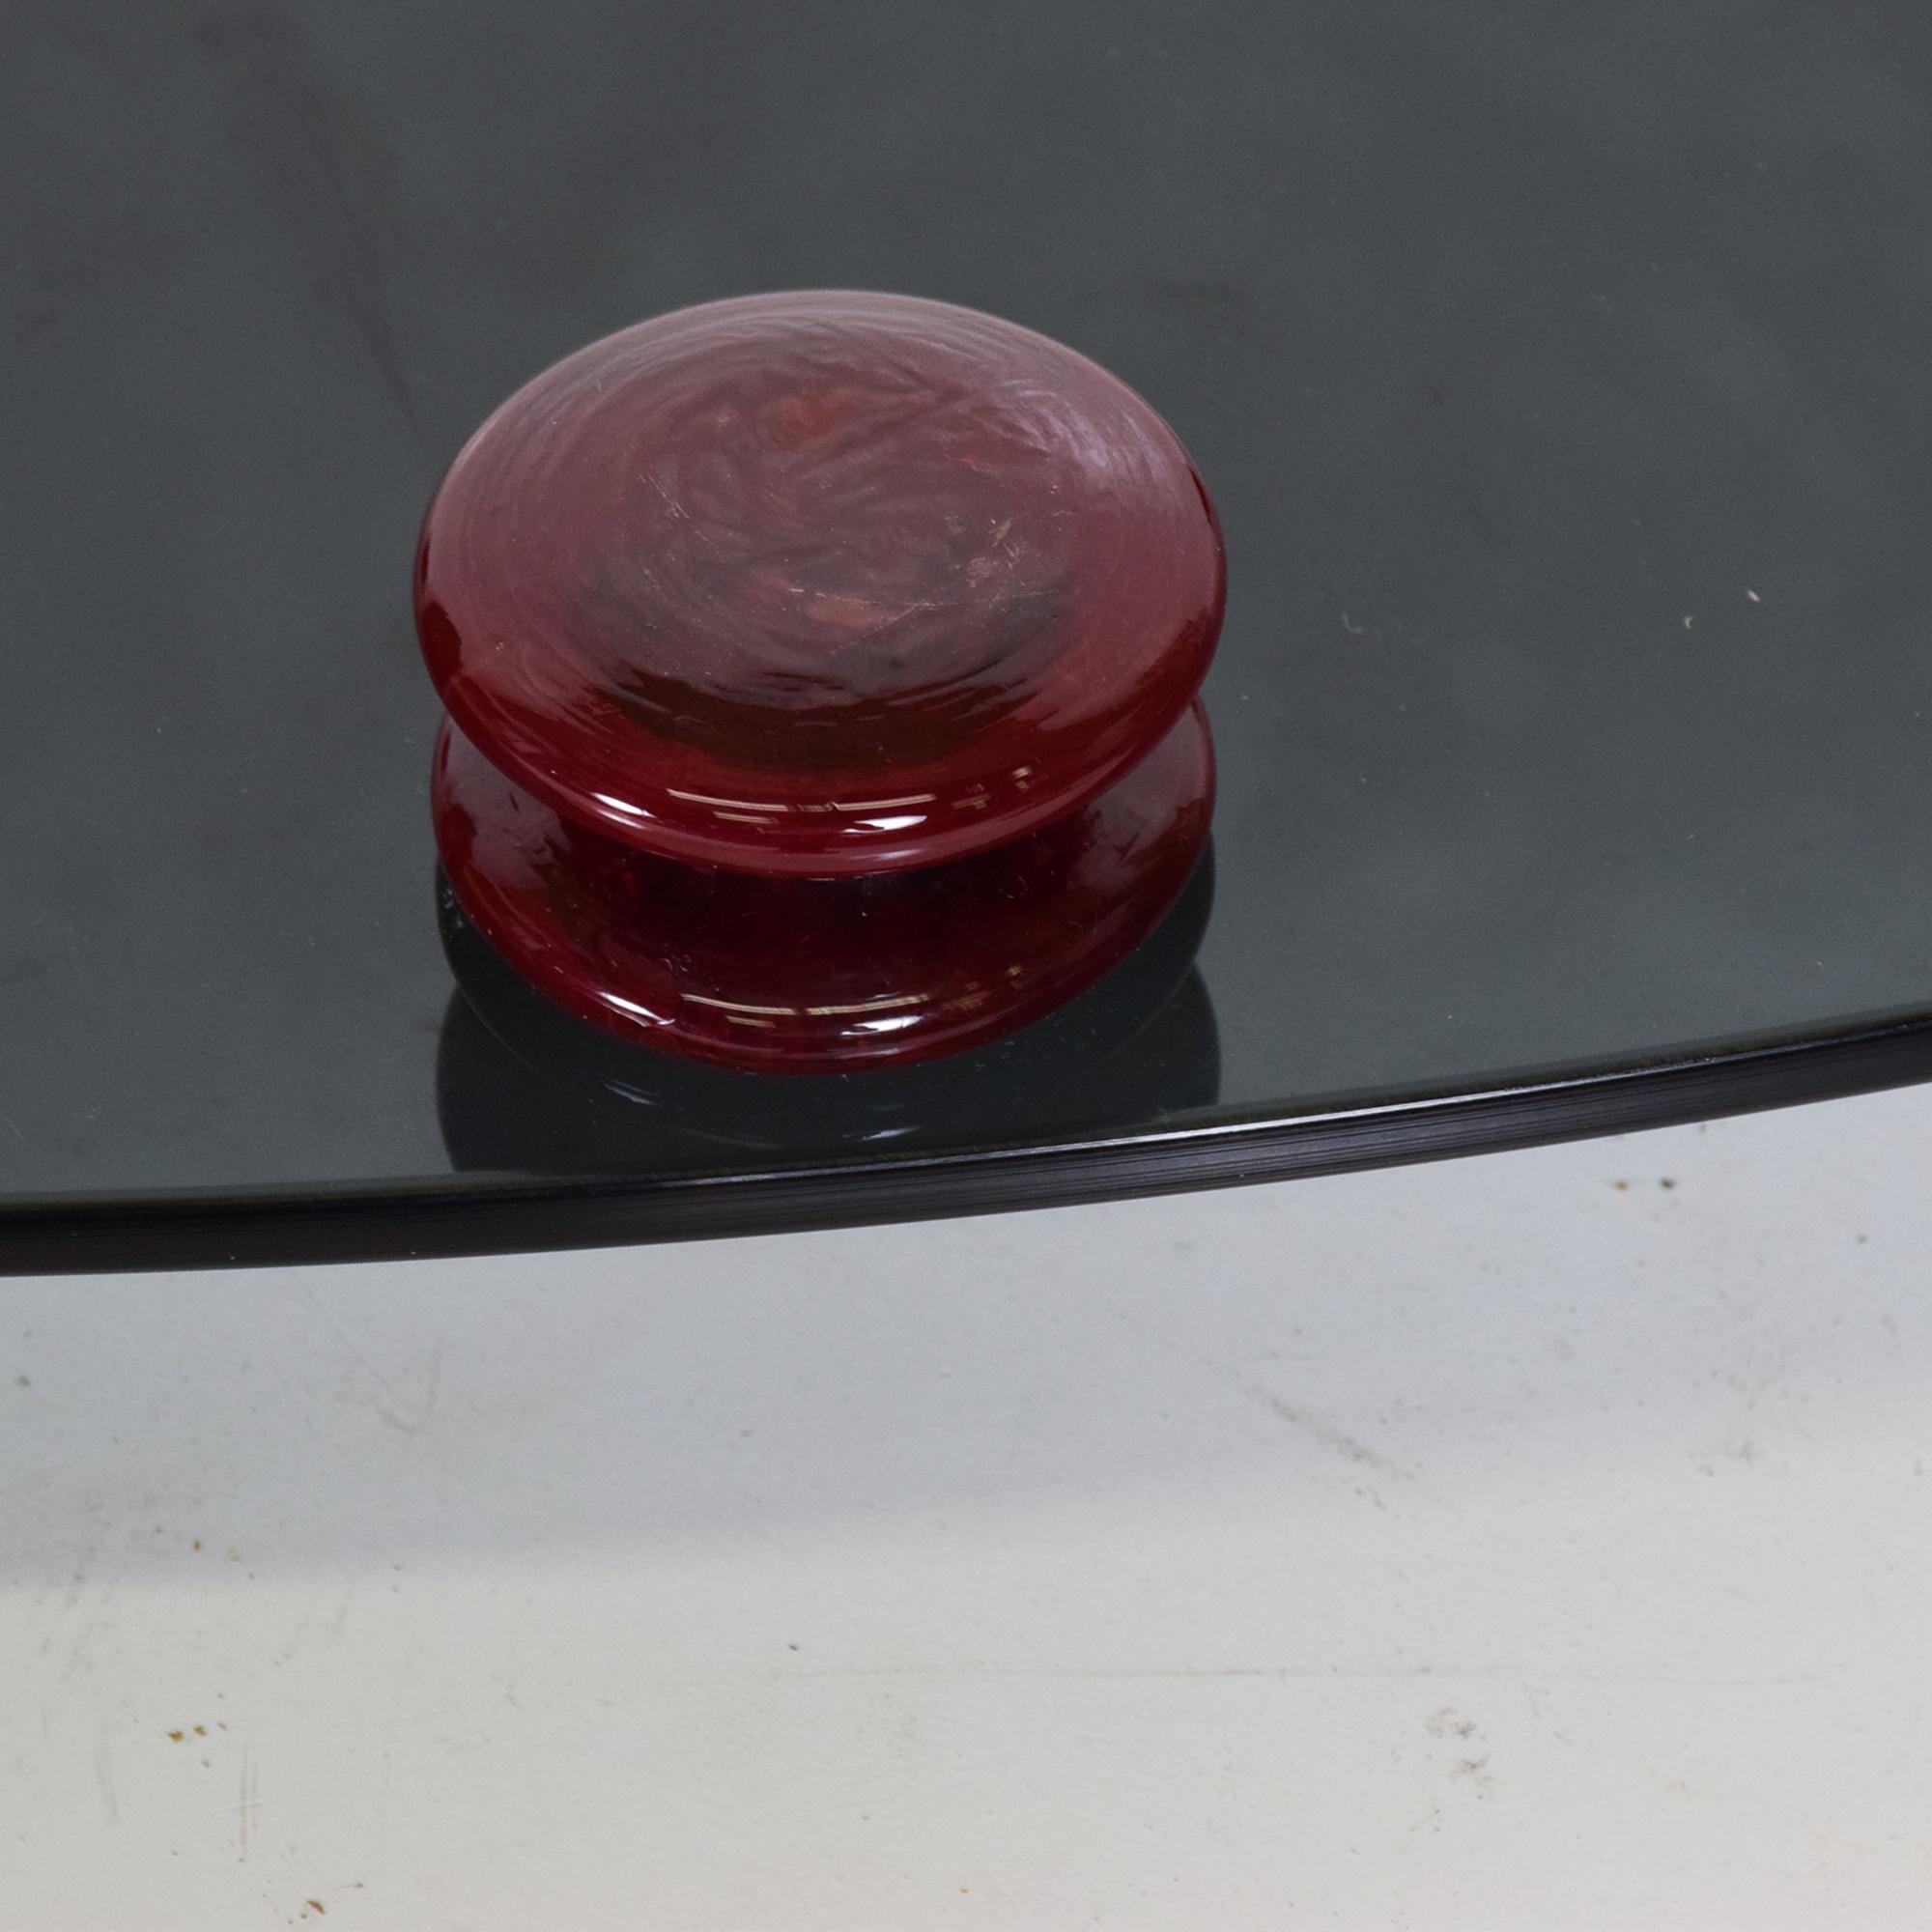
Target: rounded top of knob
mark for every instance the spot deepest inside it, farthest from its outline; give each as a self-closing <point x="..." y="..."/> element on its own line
<point x="819" y="584"/>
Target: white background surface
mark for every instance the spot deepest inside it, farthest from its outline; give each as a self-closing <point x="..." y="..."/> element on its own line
<point x="1519" y="1542"/>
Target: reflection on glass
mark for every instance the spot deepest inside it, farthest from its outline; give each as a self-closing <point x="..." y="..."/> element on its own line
<point x="799" y="976"/>
<point x="523" y="1087"/>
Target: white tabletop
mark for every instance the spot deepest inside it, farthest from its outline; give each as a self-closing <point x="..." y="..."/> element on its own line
<point x="1540" y="1540"/>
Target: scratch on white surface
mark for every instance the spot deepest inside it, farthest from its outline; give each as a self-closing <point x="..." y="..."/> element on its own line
<point x="80" y="1619"/>
<point x="1429" y="1821"/>
<point x="1325" y="1431"/>
<point x="1317" y="1427"/>
<point x="399" y="1412"/>
<point x="338" y="1622"/>
<point x="1267" y="1672"/>
<point x="227" y="1810"/>
<point x="245" y="1809"/>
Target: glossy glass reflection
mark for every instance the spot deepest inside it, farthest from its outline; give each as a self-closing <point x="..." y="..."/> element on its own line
<point x="800" y="976"/>
<point x="819" y="584"/>
<point x="523" y="1086"/>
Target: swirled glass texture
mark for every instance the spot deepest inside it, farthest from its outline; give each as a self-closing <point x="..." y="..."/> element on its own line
<point x="819" y="584"/>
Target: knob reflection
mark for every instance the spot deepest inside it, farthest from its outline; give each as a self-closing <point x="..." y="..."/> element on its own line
<point x="523" y="1087"/>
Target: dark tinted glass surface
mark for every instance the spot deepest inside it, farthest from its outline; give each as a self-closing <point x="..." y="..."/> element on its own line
<point x="1563" y="375"/>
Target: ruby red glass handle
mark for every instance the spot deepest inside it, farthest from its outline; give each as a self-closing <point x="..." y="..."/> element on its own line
<point x="821" y="674"/>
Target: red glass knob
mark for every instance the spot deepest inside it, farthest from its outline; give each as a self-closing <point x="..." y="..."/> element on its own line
<point x="819" y="584"/>
<point x="821" y="671"/>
